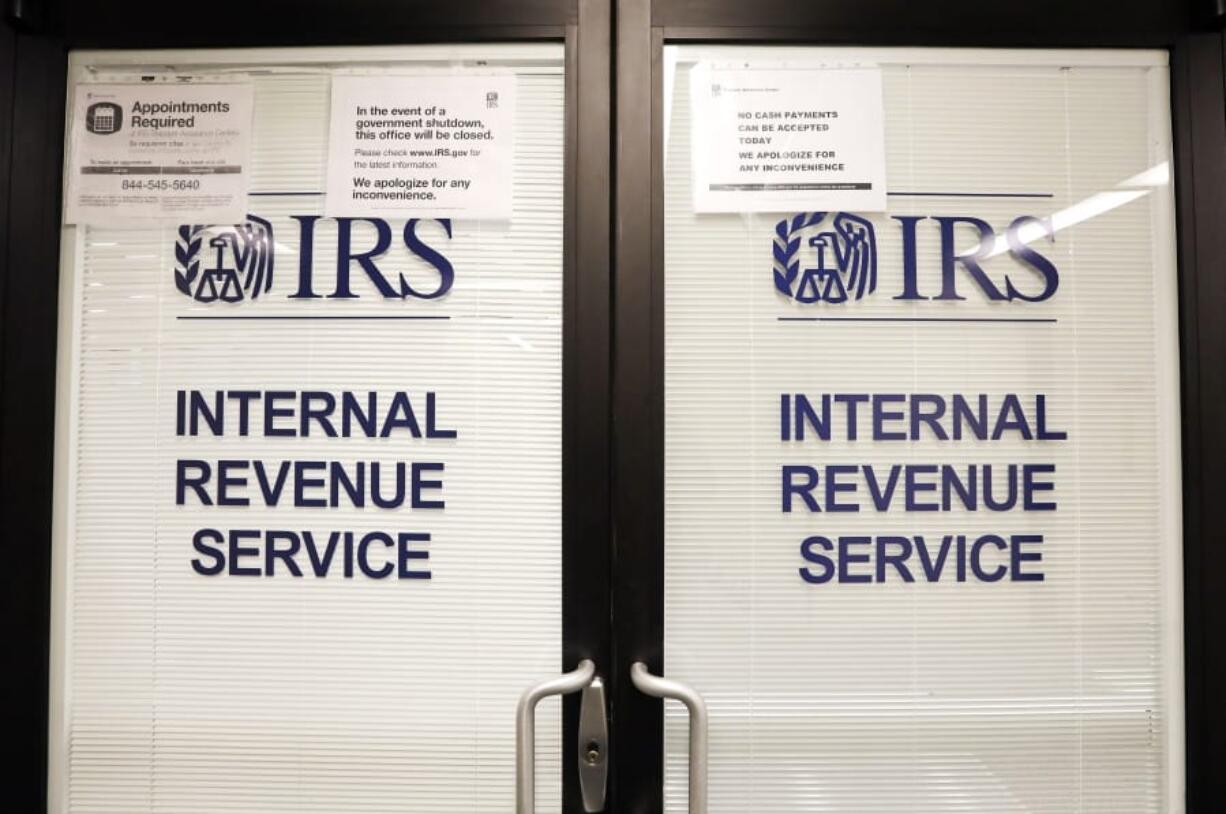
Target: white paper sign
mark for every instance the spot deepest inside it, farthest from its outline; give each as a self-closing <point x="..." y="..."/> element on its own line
<point x="428" y="146"/>
<point x="788" y="139"/>
<point x="176" y="153"/>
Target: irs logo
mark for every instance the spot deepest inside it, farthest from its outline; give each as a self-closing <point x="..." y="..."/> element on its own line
<point x="227" y="263"/>
<point x="845" y="257"/>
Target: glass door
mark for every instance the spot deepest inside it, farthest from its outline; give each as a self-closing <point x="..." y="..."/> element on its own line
<point x="921" y="501"/>
<point x="310" y="487"/>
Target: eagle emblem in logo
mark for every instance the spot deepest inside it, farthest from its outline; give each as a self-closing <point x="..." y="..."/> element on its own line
<point x="841" y="263"/>
<point x="227" y="263"/>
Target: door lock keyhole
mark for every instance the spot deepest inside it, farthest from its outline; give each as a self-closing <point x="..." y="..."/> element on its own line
<point x="591" y="752"/>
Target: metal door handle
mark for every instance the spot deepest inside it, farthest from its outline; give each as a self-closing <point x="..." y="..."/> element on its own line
<point x="525" y="729"/>
<point x="664" y="688"/>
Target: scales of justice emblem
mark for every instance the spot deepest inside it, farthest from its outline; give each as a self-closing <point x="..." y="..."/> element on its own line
<point x="240" y="266"/>
<point x="846" y="256"/>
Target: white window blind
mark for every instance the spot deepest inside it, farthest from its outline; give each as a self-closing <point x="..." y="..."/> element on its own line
<point x="1055" y="696"/>
<point x="176" y="692"/>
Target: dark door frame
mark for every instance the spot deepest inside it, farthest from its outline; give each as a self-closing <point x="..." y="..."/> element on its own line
<point x="34" y="45"/>
<point x="1198" y="93"/>
<point x="628" y="579"/>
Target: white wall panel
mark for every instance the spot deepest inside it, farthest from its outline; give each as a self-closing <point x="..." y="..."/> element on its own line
<point x="179" y="692"/>
<point x="1059" y="696"/>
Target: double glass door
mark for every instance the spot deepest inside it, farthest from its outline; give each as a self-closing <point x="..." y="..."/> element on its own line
<point x="365" y="503"/>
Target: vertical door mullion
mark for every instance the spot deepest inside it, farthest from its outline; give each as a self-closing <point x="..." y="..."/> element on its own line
<point x="29" y="276"/>
<point x="586" y="448"/>
<point x="1198" y="94"/>
<point x="638" y="417"/>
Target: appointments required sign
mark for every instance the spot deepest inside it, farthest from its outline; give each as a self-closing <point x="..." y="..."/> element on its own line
<point x="431" y="145"/>
<point x="159" y="151"/>
<point x="782" y="139"/>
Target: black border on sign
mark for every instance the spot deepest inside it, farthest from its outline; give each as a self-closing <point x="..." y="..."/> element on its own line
<point x="33" y="75"/>
<point x="1198" y="91"/>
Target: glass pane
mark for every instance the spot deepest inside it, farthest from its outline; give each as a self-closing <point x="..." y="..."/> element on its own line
<point x="983" y="613"/>
<point x="310" y="666"/>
